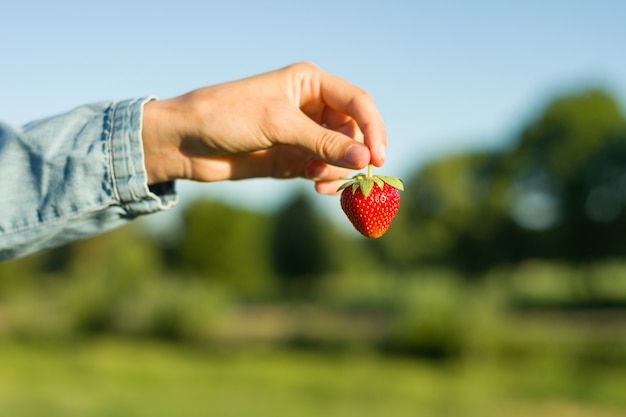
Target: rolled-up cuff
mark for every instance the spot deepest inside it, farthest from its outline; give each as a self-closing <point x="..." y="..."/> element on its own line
<point x="127" y="159"/>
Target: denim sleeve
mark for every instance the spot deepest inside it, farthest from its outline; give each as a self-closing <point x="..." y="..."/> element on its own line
<point x="74" y="175"/>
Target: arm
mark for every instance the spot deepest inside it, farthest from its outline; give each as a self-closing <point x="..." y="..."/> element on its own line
<point x="100" y="166"/>
<point x="72" y="176"/>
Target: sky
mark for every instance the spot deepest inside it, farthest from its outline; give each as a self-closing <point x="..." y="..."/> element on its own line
<point x="446" y="76"/>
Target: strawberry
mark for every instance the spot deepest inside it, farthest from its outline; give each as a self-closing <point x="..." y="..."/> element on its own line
<point x="371" y="202"/>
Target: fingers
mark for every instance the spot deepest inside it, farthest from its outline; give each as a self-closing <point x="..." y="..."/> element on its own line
<point x="333" y="147"/>
<point x="345" y="98"/>
<point x="342" y="124"/>
<point x="328" y="187"/>
<point x="320" y="171"/>
<point x="360" y="106"/>
<point x="277" y="162"/>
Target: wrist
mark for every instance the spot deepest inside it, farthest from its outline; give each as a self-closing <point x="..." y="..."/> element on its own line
<point x="162" y="158"/>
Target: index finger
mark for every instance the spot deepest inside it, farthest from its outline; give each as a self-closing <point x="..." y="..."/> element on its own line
<point x="344" y="97"/>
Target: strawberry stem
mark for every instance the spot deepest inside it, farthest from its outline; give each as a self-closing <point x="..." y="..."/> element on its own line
<point x="369" y="170"/>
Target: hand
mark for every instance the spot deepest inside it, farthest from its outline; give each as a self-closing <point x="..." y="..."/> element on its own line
<point x="298" y="121"/>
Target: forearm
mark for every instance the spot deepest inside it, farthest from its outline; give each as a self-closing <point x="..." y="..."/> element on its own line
<point x="72" y="176"/>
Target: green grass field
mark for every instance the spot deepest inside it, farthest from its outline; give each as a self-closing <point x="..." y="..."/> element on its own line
<point x="131" y="379"/>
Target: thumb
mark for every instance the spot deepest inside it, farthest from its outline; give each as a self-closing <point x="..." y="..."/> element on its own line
<point x="327" y="145"/>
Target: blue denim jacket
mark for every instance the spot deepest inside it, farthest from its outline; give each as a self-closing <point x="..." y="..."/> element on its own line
<point x="74" y="175"/>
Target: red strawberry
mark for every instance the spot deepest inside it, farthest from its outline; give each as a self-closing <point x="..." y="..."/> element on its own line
<point x="371" y="202"/>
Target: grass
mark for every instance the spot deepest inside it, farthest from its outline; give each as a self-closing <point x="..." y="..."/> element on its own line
<point x="135" y="379"/>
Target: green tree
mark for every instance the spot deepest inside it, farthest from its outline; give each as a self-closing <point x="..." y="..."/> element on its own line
<point x="558" y="192"/>
<point x="225" y="245"/>
<point x="443" y="214"/>
<point x="556" y="174"/>
<point x="299" y="254"/>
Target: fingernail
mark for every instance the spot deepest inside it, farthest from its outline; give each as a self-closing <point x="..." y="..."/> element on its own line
<point x="354" y="155"/>
<point x="381" y="151"/>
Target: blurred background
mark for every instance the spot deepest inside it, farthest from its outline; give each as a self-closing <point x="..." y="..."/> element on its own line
<point x="500" y="288"/>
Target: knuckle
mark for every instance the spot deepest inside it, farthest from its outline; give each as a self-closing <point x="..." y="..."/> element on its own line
<point x="304" y="73"/>
<point x="359" y="98"/>
<point x="303" y="66"/>
<point x="327" y="145"/>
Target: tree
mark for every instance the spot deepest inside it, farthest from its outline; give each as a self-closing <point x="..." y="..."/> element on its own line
<point x="559" y="174"/>
<point x="297" y="245"/>
<point x="225" y="245"/>
<point x="558" y="192"/>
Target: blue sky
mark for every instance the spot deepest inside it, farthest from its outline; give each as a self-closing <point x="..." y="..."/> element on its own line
<point x="446" y="75"/>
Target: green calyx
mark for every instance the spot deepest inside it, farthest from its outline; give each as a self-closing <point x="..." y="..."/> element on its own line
<point x="367" y="181"/>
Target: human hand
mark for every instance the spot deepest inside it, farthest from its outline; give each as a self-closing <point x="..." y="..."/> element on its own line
<point x="297" y="121"/>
